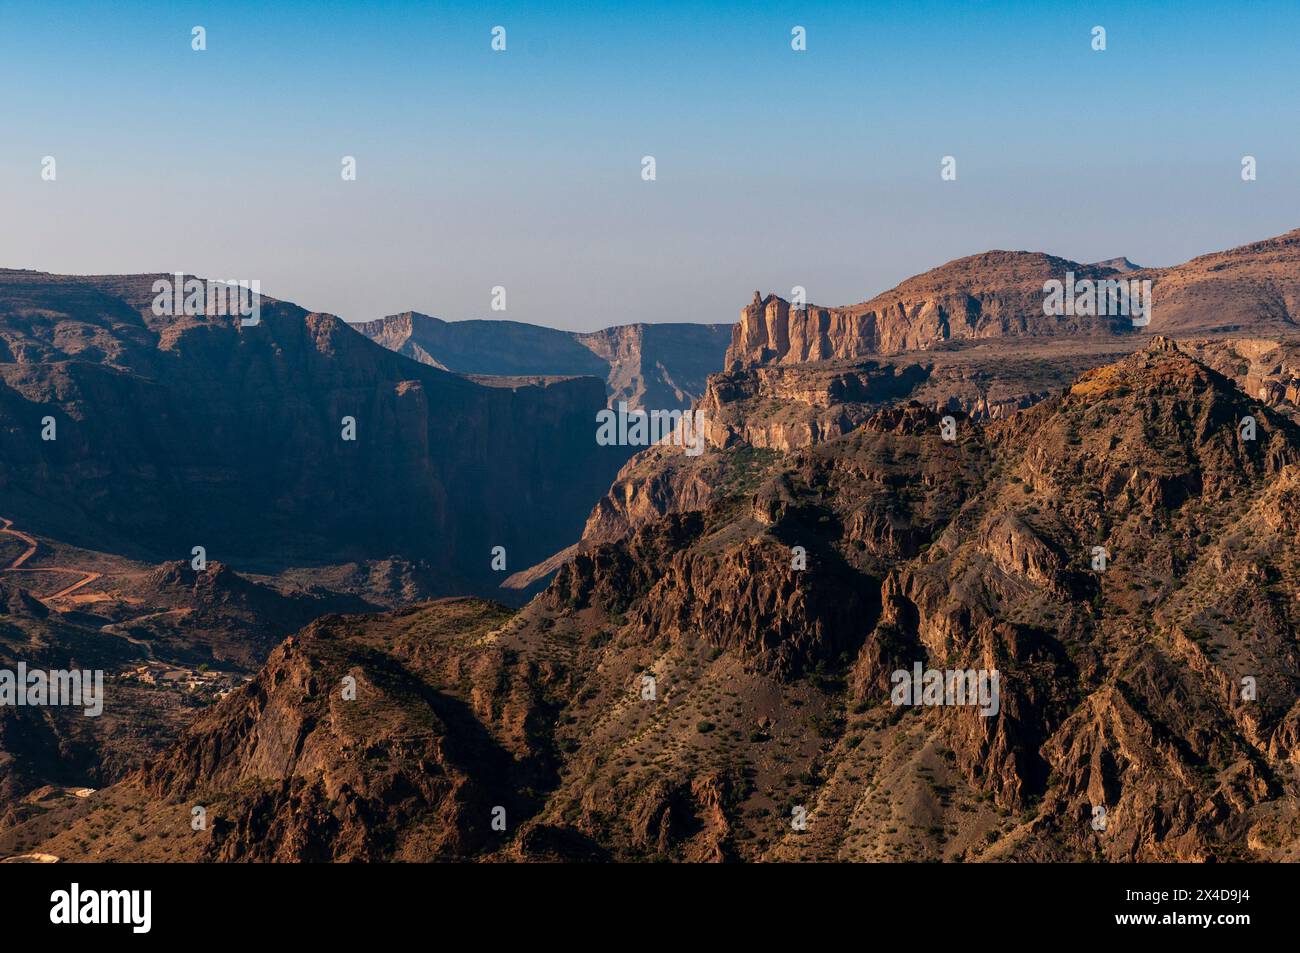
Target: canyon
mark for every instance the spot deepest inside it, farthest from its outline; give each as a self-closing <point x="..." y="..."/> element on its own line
<point x="704" y="672"/>
<point x="647" y="366"/>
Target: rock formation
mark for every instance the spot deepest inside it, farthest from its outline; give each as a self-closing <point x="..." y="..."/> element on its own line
<point x="650" y="366"/>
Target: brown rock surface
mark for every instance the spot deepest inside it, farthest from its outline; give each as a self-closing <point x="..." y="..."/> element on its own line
<point x="176" y="432"/>
<point x="715" y="659"/>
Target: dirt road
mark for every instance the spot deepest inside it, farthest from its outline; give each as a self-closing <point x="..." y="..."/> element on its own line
<point x="32" y="546"/>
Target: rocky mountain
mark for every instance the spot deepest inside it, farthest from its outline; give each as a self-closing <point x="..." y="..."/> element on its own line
<point x="720" y="682"/>
<point x="1078" y="540"/>
<point x="179" y="493"/>
<point x="293" y="442"/>
<point x="167" y="639"/>
<point x="1000" y="294"/>
<point x="1242" y="291"/>
<point x="794" y="379"/>
<point x="995" y="294"/>
<point x="650" y="366"/>
<point x="758" y="413"/>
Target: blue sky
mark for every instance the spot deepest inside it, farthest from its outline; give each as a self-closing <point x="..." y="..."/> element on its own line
<point x="522" y="168"/>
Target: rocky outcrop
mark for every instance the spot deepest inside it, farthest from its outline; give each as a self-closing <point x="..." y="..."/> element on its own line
<point x="300" y="765"/>
<point x="996" y="294"/>
<point x="1268" y="369"/>
<point x="658" y="366"/>
<point x="1248" y="290"/>
<point x="711" y="675"/>
<point x="700" y="687"/>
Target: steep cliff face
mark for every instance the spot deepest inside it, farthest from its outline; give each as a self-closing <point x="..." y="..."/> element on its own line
<point x="1267" y="368"/>
<point x="785" y="408"/>
<point x="751" y="419"/>
<point x="996" y="294"/>
<point x="173" y="433"/>
<point x="659" y="365"/>
<point x="1000" y="294"/>
<point x="718" y="684"/>
<point x="651" y="366"/>
<point x="754" y="416"/>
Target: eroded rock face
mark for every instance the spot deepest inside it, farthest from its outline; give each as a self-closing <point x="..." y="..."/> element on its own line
<point x="711" y="677"/>
<point x="753" y="416"/>
<point x="1244" y="291"/>
<point x="786" y="408"/>
<point x="658" y="366"/>
<point x="650" y="366"/>
<point x="174" y="432"/>
<point x="780" y="621"/>
<point x="701" y="686"/>
<point x="294" y="768"/>
<point x="1267" y="369"/>
<point x="996" y="294"/>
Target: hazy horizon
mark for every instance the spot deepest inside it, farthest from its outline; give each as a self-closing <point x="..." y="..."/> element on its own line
<point x="742" y="300"/>
<point x="522" y="168"/>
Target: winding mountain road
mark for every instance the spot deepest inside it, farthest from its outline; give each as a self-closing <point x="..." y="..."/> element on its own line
<point x="86" y="579"/>
<point x="32" y="546"/>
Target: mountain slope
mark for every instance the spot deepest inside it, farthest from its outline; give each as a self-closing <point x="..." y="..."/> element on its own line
<point x="770" y="693"/>
<point x="177" y="432"/>
<point x="651" y="366"/>
<point x="1251" y="289"/>
<point x="995" y="294"/>
<point x="999" y="294"/>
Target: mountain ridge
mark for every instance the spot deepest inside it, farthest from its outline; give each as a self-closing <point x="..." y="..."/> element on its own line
<point x="1107" y="521"/>
<point x="772" y="690"/>
<point x="91" y="355"/>
<point x="647" y="366"/>
<point x="999" y="294"/>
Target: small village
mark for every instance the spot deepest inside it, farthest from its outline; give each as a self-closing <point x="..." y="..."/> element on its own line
<point x="200" y="684"/>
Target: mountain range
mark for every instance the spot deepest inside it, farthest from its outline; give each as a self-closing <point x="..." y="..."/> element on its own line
<point x="646" y="366"/>
<point x="175" y="432"/>
<point x="1000" y="294"/>
<point x="943" y="478"/>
